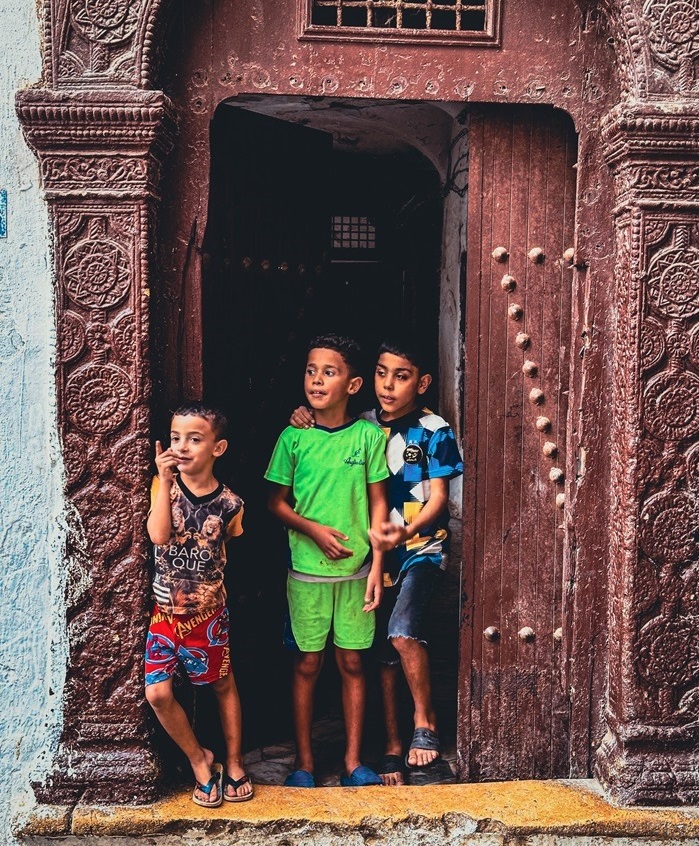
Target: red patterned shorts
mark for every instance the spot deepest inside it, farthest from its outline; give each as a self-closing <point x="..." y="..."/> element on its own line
<point x="198" y="643"/>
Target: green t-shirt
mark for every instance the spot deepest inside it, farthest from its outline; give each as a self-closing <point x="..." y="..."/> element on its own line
<point x="328" y="471"/>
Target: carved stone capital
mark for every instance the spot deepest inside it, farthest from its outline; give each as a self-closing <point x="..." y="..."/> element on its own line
<point x="100" y="45"/>
<point x="656" y="47"/>
<point x="654" y="156"/>
<point x="110" y="144"/>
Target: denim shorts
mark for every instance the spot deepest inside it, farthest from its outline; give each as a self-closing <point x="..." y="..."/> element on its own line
<point x="403" y="611"/>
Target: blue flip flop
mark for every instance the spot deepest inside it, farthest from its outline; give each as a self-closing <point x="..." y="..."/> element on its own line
<point x="360" y="777"/>
<point x="300" y="778"/>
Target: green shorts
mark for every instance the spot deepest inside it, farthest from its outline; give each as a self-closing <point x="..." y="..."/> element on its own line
<point x="317" y="607"/>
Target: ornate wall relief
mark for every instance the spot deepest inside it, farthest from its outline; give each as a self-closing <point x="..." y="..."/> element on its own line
<point x="100" y="165"/>
<point x="650" y="753"/>
<point x="97" y="43"/>
<point x="658" y="44"/>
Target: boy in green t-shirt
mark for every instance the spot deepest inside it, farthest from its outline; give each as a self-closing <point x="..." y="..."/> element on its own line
<point x="335" y="473"/>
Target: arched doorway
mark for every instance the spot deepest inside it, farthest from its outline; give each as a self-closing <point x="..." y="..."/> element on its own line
<point x="319" y="220"/>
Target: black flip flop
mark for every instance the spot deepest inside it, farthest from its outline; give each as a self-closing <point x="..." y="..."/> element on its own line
<point x="391" y="764"/>
<point x="235" y="784"/>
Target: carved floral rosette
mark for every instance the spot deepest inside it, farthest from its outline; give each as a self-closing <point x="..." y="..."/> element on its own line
<point x="101" y="42"/>
<point x="100" y="165"/>
<point x="653" y="713"/>
<point x="657" y="46"/>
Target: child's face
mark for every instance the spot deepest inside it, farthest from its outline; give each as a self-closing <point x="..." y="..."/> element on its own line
<point x="193" y="441"/>
<point x="328" y="381"/>
<point x="398" y="384"/>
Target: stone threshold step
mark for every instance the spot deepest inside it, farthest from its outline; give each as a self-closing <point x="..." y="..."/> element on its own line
<point x="542" y="812"/>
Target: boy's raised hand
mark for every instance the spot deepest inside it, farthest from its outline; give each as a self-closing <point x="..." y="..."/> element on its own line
<point x="389" y="536"/>
<point x="302" y="418"/>
<point x="327" y="540"/>
<point x="165" y="461"/>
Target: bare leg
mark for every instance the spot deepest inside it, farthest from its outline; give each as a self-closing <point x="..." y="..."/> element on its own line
<point x="231" y="724"/>
<point x="416" y="666"/>
<point x="389" y="694"/>
<point x="174" y="720"/>
<point x="349" y="662"/>
<point x="307" y="668"/>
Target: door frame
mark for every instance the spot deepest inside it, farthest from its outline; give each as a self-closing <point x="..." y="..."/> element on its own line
<point x="102" y="130"/>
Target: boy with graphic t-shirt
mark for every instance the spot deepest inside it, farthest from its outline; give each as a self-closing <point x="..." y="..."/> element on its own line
<point x="335" y="473"/>
<point x="422" y="457"/>
<point x="192" y="516"/>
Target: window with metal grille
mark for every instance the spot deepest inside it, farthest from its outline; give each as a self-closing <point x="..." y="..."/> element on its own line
<point x="404" y="20"/>
<point x="353" y="233"/>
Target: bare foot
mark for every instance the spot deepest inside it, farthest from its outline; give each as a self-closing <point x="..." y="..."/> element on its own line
<point x="393" y="759"/>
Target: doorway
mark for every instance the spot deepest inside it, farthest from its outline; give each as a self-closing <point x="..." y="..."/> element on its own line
<point x="318" y="221"/>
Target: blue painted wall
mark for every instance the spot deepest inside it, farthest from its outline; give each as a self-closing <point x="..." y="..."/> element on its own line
<point x="32" y="637"/>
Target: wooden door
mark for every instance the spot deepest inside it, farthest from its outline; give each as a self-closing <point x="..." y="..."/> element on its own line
<point x="513" y="707"/>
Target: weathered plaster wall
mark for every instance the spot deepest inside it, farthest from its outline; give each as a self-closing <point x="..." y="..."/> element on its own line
<point x="451" y="296"/>
<point x="32" y="642"/>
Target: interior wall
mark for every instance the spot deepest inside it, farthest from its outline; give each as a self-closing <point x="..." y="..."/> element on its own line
<point x="452" y="290"/>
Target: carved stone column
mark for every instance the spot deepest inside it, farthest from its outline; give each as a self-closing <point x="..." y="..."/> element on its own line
<point x="100" y="156"/>
<point x="650" y="754"/>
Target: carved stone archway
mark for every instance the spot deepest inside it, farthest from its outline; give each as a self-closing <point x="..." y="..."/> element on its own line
<point x="101" y="134"/>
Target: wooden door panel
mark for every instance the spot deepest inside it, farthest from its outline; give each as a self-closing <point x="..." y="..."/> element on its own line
<point x="513" y="715"/>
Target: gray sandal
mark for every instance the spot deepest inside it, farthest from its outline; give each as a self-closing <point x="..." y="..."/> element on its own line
<point x="424" y="738"/>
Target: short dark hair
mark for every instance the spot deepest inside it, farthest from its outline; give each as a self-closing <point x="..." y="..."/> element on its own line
<point x="216" y="418"/>
<point x="405" y="348"/>
<point x="348" y="348"/>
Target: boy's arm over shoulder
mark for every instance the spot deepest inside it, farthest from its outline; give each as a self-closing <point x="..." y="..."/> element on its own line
<point x="370" y="416"/>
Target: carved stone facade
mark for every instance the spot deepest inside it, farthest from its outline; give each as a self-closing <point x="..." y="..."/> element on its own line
<point x="101" y="135"/>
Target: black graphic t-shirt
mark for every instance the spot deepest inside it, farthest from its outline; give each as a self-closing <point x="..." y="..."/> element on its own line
<point x="189" y="568"/>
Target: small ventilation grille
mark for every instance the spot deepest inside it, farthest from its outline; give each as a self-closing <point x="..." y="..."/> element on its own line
<point x="353" y="233"/>
<point x="381" y="15"/>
